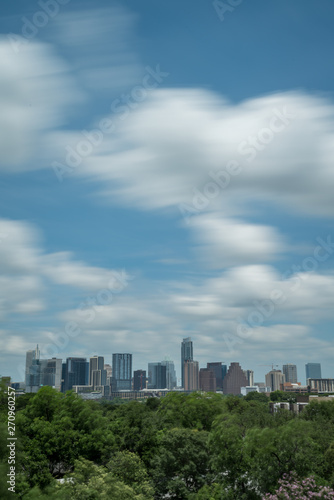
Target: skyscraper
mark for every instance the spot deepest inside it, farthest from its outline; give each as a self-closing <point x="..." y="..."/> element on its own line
<point x="186" y="355"/>
<point x="121" y="379"/>
<point x="290" y="372"/>
<point x="170" y="374"/>
<point x="30" y="357"/>
<point x="275" y="380"/>
<point x="313" y="370"/>
<point x="216" y="367"/>
<point x="207" y="380"/>
<point x="75" y="373"/>
<point x="234" y="380"/>
<point x="97" y="373"/>
<point x="157" y="376"/>
<point x="250" y="377"/>
<point x="191" y="375"/>
<point x="139" y="380"/>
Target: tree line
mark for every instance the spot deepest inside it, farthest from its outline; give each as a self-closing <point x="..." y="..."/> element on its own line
<point x="183" y="446"/>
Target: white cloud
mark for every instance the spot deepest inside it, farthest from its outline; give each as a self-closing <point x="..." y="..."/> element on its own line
<point x="225" y="242"/>
<point x="172" y="142"/>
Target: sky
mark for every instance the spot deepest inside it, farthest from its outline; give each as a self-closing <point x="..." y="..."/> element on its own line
<point x="166" y="171"/>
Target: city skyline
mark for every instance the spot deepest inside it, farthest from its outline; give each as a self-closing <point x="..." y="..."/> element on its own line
<point x="156" y="187"/>
<point x="124" y="366"/>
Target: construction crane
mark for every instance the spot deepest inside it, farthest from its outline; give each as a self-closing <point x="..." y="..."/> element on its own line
<point x="272" y="365"/>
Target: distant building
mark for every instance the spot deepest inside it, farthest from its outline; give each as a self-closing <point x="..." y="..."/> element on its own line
<point x="313" y="370"/>
<point x="250" y="377"/>
<point x="97" y="373"/>
<point x="139" y="380"/>
<point x="250" y="388"/>
<point x="43" y="372"/>
<point x="275" y="380"/>
<point x="290" y="372"/>
<point x="157" y="376"/>
<point x="216" y="368"/>
<point x="186" y="355"/>
<point x="191" y="375"/>
<point x="224" y="371"/>
<point x="108" y="370"/>
<point x="31" y="356"/>
<point x="234" y="380"/>
<point x="207" y="380"/>
<point x="121" y="372"/>
<point x="75" y="372"/>
<point x="171" y="380"/>
<point x="321" y="384"/>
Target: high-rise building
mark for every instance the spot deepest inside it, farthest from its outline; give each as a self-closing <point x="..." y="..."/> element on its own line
<point x="275" y="380"/>
<point x="186" y="355"/>
<point x="121" y="379"/>
<point x="139" y="380"/>
<point x="75" y="372"/>
<point x="97" y="373"/>
<point x="234" y="380"/>
<point x="51" y="370"/>
<point x="224" y="371"/>
<point x="170" y="374"/>
<point x="216" y="367"/>
<point x="207" y="380"/>
<point x="191" y="375"/>
<point x="290" y="372"/>
<point x="157" y="376"/>
<point x="313" y="370"/>
<point x="250" y="377"/>
<point x="30" y="357"/>
<point x="43" y="372"/>
<point x="108" y="370"/>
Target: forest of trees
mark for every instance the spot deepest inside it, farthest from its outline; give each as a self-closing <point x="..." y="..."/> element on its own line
<point x="182" y="446"/>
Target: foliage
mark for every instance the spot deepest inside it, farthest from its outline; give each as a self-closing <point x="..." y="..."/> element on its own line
<point x="291" y="486"/>
<point x="184" y="446"/>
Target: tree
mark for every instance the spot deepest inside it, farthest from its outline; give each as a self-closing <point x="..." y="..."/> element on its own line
<point x="181" y="465"/>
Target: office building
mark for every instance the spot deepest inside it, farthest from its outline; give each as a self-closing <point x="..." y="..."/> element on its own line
<point x="234" y="380"/>
<point x="207" y="380"/>
<point x="186" y="355"/>
<point x="224" y="371"/>
<point x="30" y="357"/>
<point x="97" y="373"/>
<point x="275" y="380"/>
<point x="216" y="368"/>
<point x="121" y="379"/>
<point x="43" y="372"/>
<point x="252" y="388"/>
<point x="313" y="370"/>
<point x="108" y="370"/>
<point x="171" y="380"/>
<point x="75" y="372"/>
<point x="156" y="376"/>
<point x="290" y="372"/>
<point x="191" y="375"/>
<point x="250" y="377"/>
<point x="321" y="384"/>
<point x="139" y="380"/>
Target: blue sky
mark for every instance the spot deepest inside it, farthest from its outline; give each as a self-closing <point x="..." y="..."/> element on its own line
<point x="167" y="171"/>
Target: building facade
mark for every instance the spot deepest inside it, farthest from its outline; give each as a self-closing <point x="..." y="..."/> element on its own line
<point x="321" y="384"/>
<point x="186" y="355"/>
<point x="207" y="380"/>
<point x="139" y="380"/>
<point x="290" y="372"/>
<point x="234" y="380"/>
<point x="275" y="380"/>
<point x="250" y="377"/>
<point x="75" y="372"/>
<point x="97" y="373"/>
<point x="191" y="375"/>
<point x="171" y="380"/>
<point x="216" y="368"/>
<point x="156" y="376"/>
<point x="121" y="379"/>
<point x="313" y="370"/>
